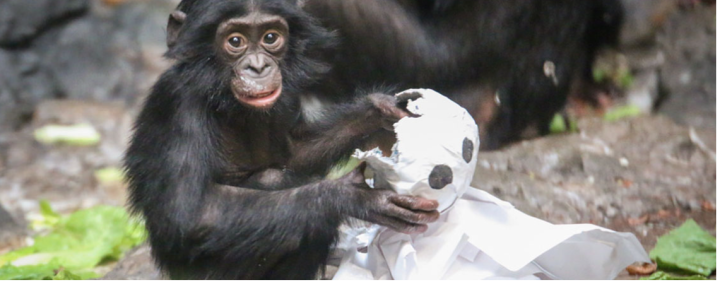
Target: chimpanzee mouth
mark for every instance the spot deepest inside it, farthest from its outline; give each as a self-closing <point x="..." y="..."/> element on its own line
<point x="260" y="100"/>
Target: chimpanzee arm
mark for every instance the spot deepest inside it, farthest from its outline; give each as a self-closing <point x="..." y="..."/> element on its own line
<point x="260" y="230"/>
<point x="267" y="234"/>
<point x="195" y="225"/>
<point x="344" y="128"/>
<point x="288" y="232"/>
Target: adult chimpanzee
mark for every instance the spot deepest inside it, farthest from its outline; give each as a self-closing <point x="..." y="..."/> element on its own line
<point x="511" y="63"/>
<point x="223" y="165"/>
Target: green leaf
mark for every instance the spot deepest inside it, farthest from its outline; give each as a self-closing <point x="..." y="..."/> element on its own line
<point x="598" y="75"/>
<point x="47" y="219"/>
<point x="557" y="125"/>
<point x="74" y="135"/>
<point x="46" y="210"/>
<point x="622" y="113"/>
<point x="35" y="272"/>
<point x="65" y="274"/>
<point x="560" y="125"/>
<point x="110" y="175"/>
<point x="688" y="249"/>
<point x="626" y="79"/>
<point x="661" y="275"/>
<point x="14" y="255"/>
<point x="50" y="271"/>
<point x="76" y="243"/>
<point x="341" y="170"/>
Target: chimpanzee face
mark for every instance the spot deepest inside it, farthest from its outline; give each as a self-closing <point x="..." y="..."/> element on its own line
<point x="253" y="46"/>
<point x="245" y="49"/>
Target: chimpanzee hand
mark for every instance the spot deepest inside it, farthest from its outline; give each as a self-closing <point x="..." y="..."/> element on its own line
<point x="406" y="214"/>
<point x="389" y="108"/>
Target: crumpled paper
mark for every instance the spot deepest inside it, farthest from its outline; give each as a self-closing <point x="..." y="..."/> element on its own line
<point x="436" y="153"/>
<point x="477" y="236"/>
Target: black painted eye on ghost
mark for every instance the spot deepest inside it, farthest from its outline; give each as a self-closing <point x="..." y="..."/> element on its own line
<point x="468" y="150"/>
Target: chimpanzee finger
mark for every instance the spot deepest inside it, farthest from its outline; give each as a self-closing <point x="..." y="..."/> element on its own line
<point x="399" y="113"/>
<point x="388" y="107"/>
<point x="403" y="99"/>
<point x="414" y="203"/>
<point x="398" y="225"/>
<point x="414" y="217"/>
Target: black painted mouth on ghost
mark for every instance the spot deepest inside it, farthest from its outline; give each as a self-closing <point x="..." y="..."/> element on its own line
<point x="440" y="176"/>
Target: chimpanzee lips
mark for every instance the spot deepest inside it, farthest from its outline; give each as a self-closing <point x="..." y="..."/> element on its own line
<point x="260" y="100"/>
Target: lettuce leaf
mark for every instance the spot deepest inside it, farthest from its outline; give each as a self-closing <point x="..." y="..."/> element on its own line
<point x="687" y="249"/>
<point x="662" y="275"/>
<point x="74" y="245"/>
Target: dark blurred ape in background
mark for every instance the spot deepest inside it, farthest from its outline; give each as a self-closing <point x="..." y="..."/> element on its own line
<point x="511" y="63"/>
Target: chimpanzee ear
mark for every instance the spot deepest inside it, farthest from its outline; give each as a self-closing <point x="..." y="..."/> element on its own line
<point x="175" y="22"/>
<point x="301" y="3"/>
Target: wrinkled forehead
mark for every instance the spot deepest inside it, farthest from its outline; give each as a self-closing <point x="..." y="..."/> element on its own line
<point x="215" y="12"/>
<point x="220" y="9"/>
<point x="254" y="18"/>
<point x="233" y="8"/>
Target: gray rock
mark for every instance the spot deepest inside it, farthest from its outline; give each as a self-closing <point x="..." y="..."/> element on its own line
<point x="147" y="20"/>
<point x="22" y="85"/>
<point x="627" y="168"/>
<point x="7" y="95"/>
<point x="22" y="20"/>
<point x="137" y="264"/>
<point x="114" y="55"/>
<point x="110" y="54"/>
<point x="12" y="232"/>
<point x="643" y="19"/>
<point x="645" y="57"/>
<point x="644" y="92"/>
<point x="34" y="171"/>
<point x="91" y="59"/>
<point x="688" y="76"/>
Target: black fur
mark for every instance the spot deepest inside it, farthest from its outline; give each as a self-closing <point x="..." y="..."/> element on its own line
<point x="232" y="192"/>
<point x="177" y="154"/>
<point x="471" y="50"/>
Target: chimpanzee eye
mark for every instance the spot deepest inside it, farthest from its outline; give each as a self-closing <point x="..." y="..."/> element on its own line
<point x="235" y="41"/>
<point x="270" y="38"/>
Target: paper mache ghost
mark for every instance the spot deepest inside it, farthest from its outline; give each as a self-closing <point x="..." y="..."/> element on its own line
<point x="436" y="153"/>
<point x="477" y="235"/>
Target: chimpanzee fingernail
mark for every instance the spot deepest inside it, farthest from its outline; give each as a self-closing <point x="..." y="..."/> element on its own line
<point x="421" y="228"/>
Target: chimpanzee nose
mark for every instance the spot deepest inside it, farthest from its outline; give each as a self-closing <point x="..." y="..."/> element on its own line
<point x="256" y="66"/>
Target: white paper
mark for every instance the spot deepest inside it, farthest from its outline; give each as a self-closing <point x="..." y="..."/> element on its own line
<point x="477" y="236"/>
<point x="444" y="135"/>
